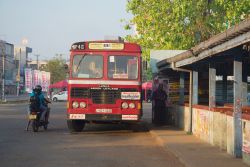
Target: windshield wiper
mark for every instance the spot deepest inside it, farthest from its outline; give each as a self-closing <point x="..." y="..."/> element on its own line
<point x="80" y="62"/>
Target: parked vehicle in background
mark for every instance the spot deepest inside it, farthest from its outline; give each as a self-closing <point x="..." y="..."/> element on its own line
<point x="61" y="96"/>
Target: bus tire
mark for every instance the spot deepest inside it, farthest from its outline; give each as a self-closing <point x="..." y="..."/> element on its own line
<point x="75" y="125"/>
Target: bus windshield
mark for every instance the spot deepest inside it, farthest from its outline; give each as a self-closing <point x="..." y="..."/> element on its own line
<point x="122" y="67"/>
<point x="87" y="66"/>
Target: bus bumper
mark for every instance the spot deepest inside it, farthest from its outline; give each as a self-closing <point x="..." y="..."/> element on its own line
<point x="104" y="117"/>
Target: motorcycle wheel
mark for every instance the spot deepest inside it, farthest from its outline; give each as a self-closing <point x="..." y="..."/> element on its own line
<point x="45" y="127"/>
<point x="75" y="125"/>
<point x="35" y="126"/>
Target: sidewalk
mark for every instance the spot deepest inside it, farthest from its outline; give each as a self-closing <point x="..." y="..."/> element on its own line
<point x="191" y="151"/>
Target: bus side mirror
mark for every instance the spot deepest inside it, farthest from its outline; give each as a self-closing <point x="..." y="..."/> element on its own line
<point x="144" y="65"/>
<point x="66" y="68"/>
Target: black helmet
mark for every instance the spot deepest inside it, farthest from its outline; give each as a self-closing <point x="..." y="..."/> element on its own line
<point x="38" y="88"/>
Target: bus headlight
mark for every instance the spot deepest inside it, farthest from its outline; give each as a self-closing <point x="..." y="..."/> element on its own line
<point x="83" y="105"/>
<point x="131" y="105"/>
<point x="124" y="105"/>
<point x="75" y="104"/>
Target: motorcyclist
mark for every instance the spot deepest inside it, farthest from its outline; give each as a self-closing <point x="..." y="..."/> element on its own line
<point x="37" y="91"/>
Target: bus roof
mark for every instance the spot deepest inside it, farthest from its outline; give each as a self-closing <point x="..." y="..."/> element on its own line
<point x="105" y="45"/>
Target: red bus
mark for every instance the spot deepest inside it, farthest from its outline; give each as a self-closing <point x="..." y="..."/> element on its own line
<point x="104" y="83"/>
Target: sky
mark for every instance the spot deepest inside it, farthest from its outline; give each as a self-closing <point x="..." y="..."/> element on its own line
<point x="51" y="26"/>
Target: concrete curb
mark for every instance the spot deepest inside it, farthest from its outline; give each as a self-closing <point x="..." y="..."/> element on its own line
<point x="14" y="102"/>
<point x="177" y="154"/>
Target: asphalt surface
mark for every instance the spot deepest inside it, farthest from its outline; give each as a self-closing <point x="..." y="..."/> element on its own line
<point x="96" y="146"/>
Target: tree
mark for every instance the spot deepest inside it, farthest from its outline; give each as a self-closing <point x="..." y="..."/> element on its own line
<point x="181" y="24"/>
<point x="56" y="67"/>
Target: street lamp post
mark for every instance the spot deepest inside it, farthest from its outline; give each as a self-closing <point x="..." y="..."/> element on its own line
<point x="37" y="61"/>
<point x="3" y="72"/>
<point x="18" y="73"/>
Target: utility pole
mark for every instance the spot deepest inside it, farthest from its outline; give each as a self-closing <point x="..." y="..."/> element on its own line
<point x="3" y="73"/>
<point x="37" y="62"/>
<point x="18" y="73"/>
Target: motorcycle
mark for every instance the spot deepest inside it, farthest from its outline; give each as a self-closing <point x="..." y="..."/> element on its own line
<point x="35" y="121"/>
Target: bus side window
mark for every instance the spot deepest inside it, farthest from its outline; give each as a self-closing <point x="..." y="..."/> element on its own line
<point x="132" y="69"/>
<point x="111" y="69"/>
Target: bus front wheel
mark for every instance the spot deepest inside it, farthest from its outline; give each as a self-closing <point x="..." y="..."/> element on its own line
<point x="75" y="125"/>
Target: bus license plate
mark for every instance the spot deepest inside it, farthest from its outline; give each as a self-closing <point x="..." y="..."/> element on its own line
<point x="76" y="116"/>
<point x="31" y="117"/>
<point x="103" y="110"/>
<point x="129" y="117"/>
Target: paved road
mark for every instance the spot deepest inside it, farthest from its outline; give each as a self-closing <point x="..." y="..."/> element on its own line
<point x="97" y="146"/>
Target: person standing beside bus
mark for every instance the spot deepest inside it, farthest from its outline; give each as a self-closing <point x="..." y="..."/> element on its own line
<point x="159" y="96"/>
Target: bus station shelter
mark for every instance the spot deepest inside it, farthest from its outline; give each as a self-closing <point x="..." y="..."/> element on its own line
<point x="216" y="73"/>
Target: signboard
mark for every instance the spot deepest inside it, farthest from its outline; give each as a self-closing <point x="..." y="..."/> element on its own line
<point x="106" y="46"/>
<point x="131" y="95"/>
<point x="78" y="46"/>
<point x="40" y="78"/>
<point x="44" y="80"/>
<point x="120" y="76"/>
<point x="48" y="80"/>
<point x="35" y="78"/>
<point x="28" y="80"/>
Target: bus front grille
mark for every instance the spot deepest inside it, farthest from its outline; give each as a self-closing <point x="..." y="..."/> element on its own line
<point x="80" y="92"/>
<point x="99" y="96"/>
<point x="104" y="96"/>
